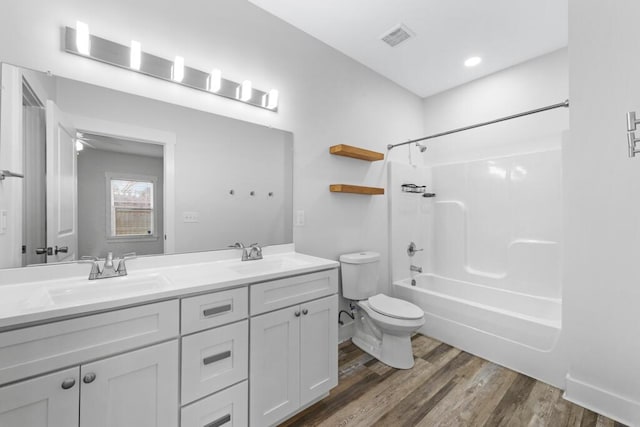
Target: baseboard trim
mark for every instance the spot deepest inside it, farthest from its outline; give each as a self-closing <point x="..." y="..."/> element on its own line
<point x="602" y="401"/>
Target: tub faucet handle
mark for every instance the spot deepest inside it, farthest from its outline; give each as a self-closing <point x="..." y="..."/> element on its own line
<point x="412" y="249"/>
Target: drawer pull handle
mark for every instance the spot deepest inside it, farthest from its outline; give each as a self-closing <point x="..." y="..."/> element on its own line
<point x="220" y="421"/>
<point x="68" y="383"/>
<point x="216" y="357"/>
<point x="89" y="378"/>
<point x="216" y="310"/>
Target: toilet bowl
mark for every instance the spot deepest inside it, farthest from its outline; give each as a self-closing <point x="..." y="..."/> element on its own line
<point x="383" y="329"/>
<point x="383" y="325"/>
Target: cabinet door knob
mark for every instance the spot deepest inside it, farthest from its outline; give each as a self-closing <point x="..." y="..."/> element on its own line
<point x="305" y="311"/>
<point x="297" y="313"/>
<point x="68" y="383"/>
<point x="89" y="378"/>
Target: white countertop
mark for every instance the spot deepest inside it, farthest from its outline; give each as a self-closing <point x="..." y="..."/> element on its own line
<point x="49" y="292"/>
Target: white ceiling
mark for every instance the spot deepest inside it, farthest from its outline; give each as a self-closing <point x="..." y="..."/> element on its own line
<point x="502" y="32"/>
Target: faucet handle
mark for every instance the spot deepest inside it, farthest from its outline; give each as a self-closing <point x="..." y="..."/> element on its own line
<point x="95" y="266"/>
<point x="122" y="267"/>
<point x="237" y="245"/>
<point x="257" y="249"/>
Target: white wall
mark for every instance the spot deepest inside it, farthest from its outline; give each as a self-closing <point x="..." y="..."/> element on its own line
<point x="93" y="165"/>
<point x="326" y="98"/>
<point x="536" y="83"/>
<point x="602" y="200"/>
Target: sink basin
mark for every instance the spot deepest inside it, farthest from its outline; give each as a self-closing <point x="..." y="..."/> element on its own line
<point x="268" y="265"/>
<point x="111" y="288"/>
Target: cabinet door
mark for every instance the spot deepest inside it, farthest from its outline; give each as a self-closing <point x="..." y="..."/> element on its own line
<point x="318" y="348"/>
<point x="46" y="401"/>
<point x="136" y="389"/>
<point x="275" y="366"/>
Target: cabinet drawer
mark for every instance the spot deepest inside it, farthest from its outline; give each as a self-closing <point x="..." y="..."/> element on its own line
<point x="281" y="293"/>
<point x="229" y="408"/>
<point x="215" y="309"/>
<point x="214" y="359"/>
<point x="29" y="351"/>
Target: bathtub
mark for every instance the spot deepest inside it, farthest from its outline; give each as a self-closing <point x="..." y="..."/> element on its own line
<point x="515" y="330"/>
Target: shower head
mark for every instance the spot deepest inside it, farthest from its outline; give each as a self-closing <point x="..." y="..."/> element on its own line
<point x="422" y="148"/>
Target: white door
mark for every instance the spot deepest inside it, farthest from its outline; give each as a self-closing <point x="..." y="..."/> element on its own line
<point x="275" y="366"/>
<point x="318" y="348"/>
<point x="62" y="181"/>
<point x="136" y="389"/>
<point x="48" y="401"/>
<point x="11" y="160"/>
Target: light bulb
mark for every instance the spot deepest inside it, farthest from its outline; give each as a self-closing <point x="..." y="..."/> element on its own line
<point x="215" y="80"/>
<point x="246" y="90"/>
<point x="273" y="99"/>
<point x="83" y="41"/>
<point x="136" y="55"/>
<point x="178" y="69"/>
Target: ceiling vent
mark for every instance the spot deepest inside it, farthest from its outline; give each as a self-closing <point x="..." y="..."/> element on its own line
<point x="397" y="35"/>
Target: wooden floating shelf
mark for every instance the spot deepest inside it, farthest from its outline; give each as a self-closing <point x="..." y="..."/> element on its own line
<point x="356" y="153"/>
<point x="355" y="189"/>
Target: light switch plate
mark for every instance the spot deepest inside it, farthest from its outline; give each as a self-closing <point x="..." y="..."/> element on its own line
<point x="190" y="217"/>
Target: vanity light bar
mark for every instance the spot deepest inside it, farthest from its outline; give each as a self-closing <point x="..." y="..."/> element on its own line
<point x="134" y="59"/>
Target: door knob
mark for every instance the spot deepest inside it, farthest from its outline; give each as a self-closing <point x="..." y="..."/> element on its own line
<point x="63" y="249"/>
<point x="297" y="313"/>
<point x="44" y="251"/>
<point x="305" y="311"/>
<point x="89" y="378"/>
<point x="68" y="383"/>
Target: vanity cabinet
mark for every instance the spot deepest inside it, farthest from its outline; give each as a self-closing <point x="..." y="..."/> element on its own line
<point x="215" y="359"/>
<point x="251" y="354"/>
<point x="138" y="388"/>
<point x="49" y="400"/>
<point x="101" y="377"/>
<point x="294" y="359"/>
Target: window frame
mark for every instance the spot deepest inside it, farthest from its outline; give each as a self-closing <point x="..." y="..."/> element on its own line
<point x="110" y="176"/>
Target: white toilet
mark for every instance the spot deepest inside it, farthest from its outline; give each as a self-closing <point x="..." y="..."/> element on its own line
<point x="383" y="325"/>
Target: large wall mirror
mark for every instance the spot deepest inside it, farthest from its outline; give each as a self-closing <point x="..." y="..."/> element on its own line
<point x="106" y="171"/>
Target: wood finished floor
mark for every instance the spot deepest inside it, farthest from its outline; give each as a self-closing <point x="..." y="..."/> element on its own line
<point x="447" y="387"/>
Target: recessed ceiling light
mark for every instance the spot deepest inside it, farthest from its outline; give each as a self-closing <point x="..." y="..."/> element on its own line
<point x="473" y="61"/>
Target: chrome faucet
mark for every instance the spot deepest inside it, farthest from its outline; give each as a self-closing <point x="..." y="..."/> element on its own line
<point x="108" y="269"/>
<point x="251" y="253"/>
<point x="240" y="245"/>
<point x="415" y="268"/>
<point x="255" y="252"/>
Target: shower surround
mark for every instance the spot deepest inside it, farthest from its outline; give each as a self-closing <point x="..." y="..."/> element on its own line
<point x="492" y="238"/>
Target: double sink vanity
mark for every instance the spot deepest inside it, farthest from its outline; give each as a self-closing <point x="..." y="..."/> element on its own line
<point x="187" y="340"/>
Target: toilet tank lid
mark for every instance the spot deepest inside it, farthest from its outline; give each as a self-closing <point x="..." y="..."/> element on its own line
<point x="360" y="257"/>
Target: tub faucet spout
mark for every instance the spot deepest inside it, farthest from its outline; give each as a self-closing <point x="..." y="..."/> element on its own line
<point x="415" y="268"/>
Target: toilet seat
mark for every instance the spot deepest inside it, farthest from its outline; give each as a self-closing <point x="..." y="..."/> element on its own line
<point x="394" y="307"/>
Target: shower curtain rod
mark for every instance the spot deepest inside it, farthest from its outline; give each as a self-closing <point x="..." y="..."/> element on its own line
<point x="564" y="104"/>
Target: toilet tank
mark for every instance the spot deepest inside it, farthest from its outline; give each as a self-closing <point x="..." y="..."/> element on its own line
<point x="359" y="272"/>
